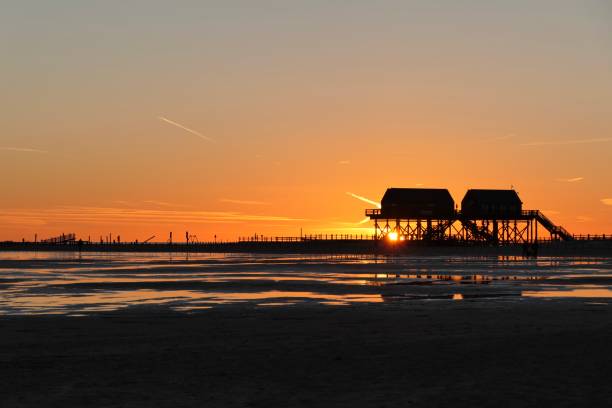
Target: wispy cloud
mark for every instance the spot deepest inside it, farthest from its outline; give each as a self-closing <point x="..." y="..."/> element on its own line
<point x="24" y="149"/>
<point x="130" y="216"/>
<point x="569" y="142"/>
<point x="185" y="128"/>
<point x="163" y="203"/>
<point x="137" y="204"/>
<point x="347" y="223"/>
<point x="352" y="230"/>
<point x="344" y="162"/>
<point x="242" y="202"/>
<point x="365" y="200"/>
<point x="570" y="180"/>
<point x="583" y="218"/>
<point x="607" y="201"/>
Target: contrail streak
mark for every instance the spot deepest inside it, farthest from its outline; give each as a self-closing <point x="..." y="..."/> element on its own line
<point x="185" y="128"/>
<point x="571" y="180"/>
<point x="365" y="200"/>
<point x="23" y="149"/>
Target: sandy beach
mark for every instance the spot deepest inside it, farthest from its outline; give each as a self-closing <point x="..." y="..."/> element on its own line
<point x="531" y="353"/>
<point x="134" y="330"/>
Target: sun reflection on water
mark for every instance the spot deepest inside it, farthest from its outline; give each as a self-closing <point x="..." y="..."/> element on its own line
<point x="66" y="284"/>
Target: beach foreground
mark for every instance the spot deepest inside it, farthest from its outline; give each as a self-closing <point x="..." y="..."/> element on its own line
<point x="531" y="352"/>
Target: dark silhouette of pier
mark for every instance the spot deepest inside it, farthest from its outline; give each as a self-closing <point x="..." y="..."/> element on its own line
<point x="585" y="246"/>
<point x="495" y="217"/>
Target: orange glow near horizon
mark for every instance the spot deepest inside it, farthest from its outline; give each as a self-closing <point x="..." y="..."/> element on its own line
<point x="138" y="221"/>
<point x="253" y="122"/>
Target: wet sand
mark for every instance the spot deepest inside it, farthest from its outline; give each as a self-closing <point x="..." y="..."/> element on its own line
<point x="500" y="353"/>
<point x="53" y="283"/>
<point x="164" y="330"/>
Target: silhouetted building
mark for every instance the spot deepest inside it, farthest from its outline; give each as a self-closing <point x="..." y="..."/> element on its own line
<point x="487" y="216"/>
<point x="417" y="203"/>
<point x="491" y="204"/>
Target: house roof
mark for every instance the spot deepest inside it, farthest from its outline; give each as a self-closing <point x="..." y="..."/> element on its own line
<point x="507" y="197"/>
<point x="411" y="196"/>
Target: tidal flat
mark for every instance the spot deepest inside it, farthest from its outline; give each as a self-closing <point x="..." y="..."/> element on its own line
<point x="275" y="330"/>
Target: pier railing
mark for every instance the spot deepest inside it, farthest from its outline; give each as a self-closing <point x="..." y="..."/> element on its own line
<point x="257" y="239"/>
<point x="591" y="237"/>
<point x="309" y="237"/>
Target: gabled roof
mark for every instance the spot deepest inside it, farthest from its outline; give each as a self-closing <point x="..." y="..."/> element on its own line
<point x="403" y="196"/>
<point x="492" y="197"/>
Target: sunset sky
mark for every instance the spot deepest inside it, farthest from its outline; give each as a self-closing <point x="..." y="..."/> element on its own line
<point x="232" y="118"/>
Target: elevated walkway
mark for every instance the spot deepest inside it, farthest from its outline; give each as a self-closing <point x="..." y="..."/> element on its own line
<point x="556" y="231"/>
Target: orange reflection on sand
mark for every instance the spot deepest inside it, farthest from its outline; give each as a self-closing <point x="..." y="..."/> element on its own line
<point x="274" y="294"/>
<point x="184" y="299"/>
<point x="588" y="292"/>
